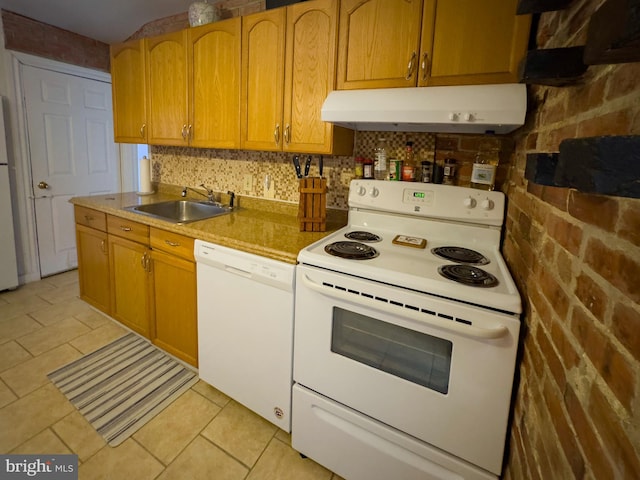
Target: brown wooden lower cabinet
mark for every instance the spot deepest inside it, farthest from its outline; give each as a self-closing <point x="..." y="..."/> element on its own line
<point x="130" y="284"/>
<point x="93" y="267"/>
<point x="174" y="306"/>
<point x="144" y="278"/>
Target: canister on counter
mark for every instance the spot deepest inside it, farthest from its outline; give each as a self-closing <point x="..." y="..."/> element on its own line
<point x="449" y="173"/>
<point x="395" y="169"/>
<point x="427" y="172"/>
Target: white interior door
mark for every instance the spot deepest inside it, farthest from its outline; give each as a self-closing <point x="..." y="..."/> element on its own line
<point x="70" y="136"/>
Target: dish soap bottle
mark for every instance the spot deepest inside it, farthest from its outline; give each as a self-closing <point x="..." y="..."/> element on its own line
<point x="483" y="174"/>
<point x="380" y="168"/>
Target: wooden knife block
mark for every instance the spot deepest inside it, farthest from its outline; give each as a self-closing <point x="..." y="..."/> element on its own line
<point x="312" y="212"/>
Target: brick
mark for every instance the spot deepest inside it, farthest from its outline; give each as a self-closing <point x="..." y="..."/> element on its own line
<point x="614" y="123"/>
<point x="551" y="358"/>
<point x="36" y="38"/>
<point x="629" y="226"/>
<point x="621" y="270"/>
<point x="614" y="437"/>
<point x="564" y="431"/>
<point x="619" y="375"/>
<point x="597" y="210"/>
<point x="586" y="97"/>
<point x="565" y="233"/>
<point x="626" y="325"/>
<point x="549" y="141"/>
<point x="566" y="351"/>
<point x="590" y="338"/>
<point x="593" y="449"/>
<point x="623" y="80"/>
<point x="564" y="266"/>
<point x="556" y="196"/>
<point x="592" y="296"/>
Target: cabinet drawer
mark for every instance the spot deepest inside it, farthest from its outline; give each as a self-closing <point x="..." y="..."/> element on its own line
<point x="91" y="218"/>
<point x="128" y="229"/>
<point x="173" y="243"/>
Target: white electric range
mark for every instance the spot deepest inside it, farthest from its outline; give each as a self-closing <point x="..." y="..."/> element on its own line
<point x="406" y="333"/>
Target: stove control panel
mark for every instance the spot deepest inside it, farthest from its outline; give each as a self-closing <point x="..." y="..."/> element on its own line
<point x="429" y="200"/>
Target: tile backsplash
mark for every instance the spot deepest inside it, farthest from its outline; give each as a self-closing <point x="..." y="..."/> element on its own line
<point x="224" y="170"/>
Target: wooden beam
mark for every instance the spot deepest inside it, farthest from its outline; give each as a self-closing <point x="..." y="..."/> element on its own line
<point x="552" y="66"/>
<point x="614" y="33"/>
<point x="539" y="6"/>
<point x="608" y="165"/>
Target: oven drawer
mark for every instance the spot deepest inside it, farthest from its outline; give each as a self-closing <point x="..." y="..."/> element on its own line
<point x="360" y="448"/>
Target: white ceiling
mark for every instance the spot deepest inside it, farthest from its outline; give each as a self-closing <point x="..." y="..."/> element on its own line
<point x="109" y="21"/>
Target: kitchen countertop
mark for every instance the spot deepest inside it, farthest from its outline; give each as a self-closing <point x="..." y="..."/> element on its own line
<point x="262" y="227"/>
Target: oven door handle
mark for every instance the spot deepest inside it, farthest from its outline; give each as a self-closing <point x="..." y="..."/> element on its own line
<point x="498" y="331"/>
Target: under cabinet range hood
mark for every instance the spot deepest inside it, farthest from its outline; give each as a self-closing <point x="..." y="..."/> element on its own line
<point x="460" y="109"/>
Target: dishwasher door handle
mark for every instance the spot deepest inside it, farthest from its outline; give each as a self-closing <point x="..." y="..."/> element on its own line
<point x="238" y="271"/>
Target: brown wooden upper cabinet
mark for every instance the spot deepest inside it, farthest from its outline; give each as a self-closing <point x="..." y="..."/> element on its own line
<point x="408" y="43"/>
<point x="288" y="68"/>
<point x="129" y="96"/>
<point x="193" y="82"/>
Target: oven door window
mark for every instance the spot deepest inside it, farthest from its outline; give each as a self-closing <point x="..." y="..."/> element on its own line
<point x="405" y="353"/>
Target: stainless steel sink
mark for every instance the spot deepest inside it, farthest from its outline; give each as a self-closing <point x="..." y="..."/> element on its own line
<point x="181" y="211"/>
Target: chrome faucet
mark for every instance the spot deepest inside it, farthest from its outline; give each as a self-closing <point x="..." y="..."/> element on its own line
<point x="209" y="195"/>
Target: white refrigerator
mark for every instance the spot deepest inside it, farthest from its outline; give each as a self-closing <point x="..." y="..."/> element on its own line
<point x="8" y="263"/>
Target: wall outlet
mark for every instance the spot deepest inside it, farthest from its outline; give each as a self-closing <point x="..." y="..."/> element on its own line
<point x="248" y="183"/>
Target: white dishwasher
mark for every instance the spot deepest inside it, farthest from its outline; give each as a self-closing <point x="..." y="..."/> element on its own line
<point x="245" y="328"/>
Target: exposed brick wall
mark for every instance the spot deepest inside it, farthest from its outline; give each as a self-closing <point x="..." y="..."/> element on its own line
<point x="576" y="259"/>
<point x="26" y="35"/>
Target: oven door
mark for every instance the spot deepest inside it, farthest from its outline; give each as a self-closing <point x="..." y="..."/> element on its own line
<point x="434" y="369"/>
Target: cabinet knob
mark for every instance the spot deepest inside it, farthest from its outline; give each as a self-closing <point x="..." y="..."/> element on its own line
<point x="287" y="132"/>
<point x="142" y="128"/>
<point x="43" y="185"/>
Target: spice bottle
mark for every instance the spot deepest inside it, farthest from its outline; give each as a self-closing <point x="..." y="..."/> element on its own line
<point x="359" y="168"/>
<point x="409" y="167"/>
<point x="367" y="168"/>
<point x="426" y="172"/>
<point x="380" y="168"/>
<point x="483" y="174"/>
<point x="449" y="173"/>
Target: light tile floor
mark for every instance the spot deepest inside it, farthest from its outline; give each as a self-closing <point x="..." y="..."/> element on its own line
<point x="202" y="435"/>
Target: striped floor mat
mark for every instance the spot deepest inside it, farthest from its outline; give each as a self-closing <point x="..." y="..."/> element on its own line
<point x="121" y="386"/>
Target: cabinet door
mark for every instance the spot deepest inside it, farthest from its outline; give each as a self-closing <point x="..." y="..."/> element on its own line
<point x="214" y="57"/>
<point x="175" y="306"/>
<point x="311" y="48"/>
<point x="263" y="36"/>
<point x="93" y="267"/>
<point x="129" y="101"/>
<point x="167" y="75"/>
<point x="130" y="284"/>
<point x="379" y="43"/>
<point x="474" y="42"/>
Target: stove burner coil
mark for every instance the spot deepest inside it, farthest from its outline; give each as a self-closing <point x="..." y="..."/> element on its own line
<point x="351" y="250"/>
<point x="468" y="275"/>
<point x="460" y="255"/>
<point x="363" y="236"/>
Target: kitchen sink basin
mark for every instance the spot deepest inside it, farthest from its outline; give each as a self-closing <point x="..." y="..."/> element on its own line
<point x="181" y="211"/>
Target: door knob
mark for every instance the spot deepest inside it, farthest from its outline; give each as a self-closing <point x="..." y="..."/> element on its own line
<point x="43" y="185"/>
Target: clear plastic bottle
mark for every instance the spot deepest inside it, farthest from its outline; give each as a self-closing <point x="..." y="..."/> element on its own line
<point x="380" y="166"/>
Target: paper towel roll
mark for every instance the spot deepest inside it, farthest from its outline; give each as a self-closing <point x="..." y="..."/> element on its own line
<point x="144" y="176"/>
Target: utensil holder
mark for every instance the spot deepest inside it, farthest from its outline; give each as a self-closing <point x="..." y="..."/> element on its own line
<point x="312" y="212"/>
